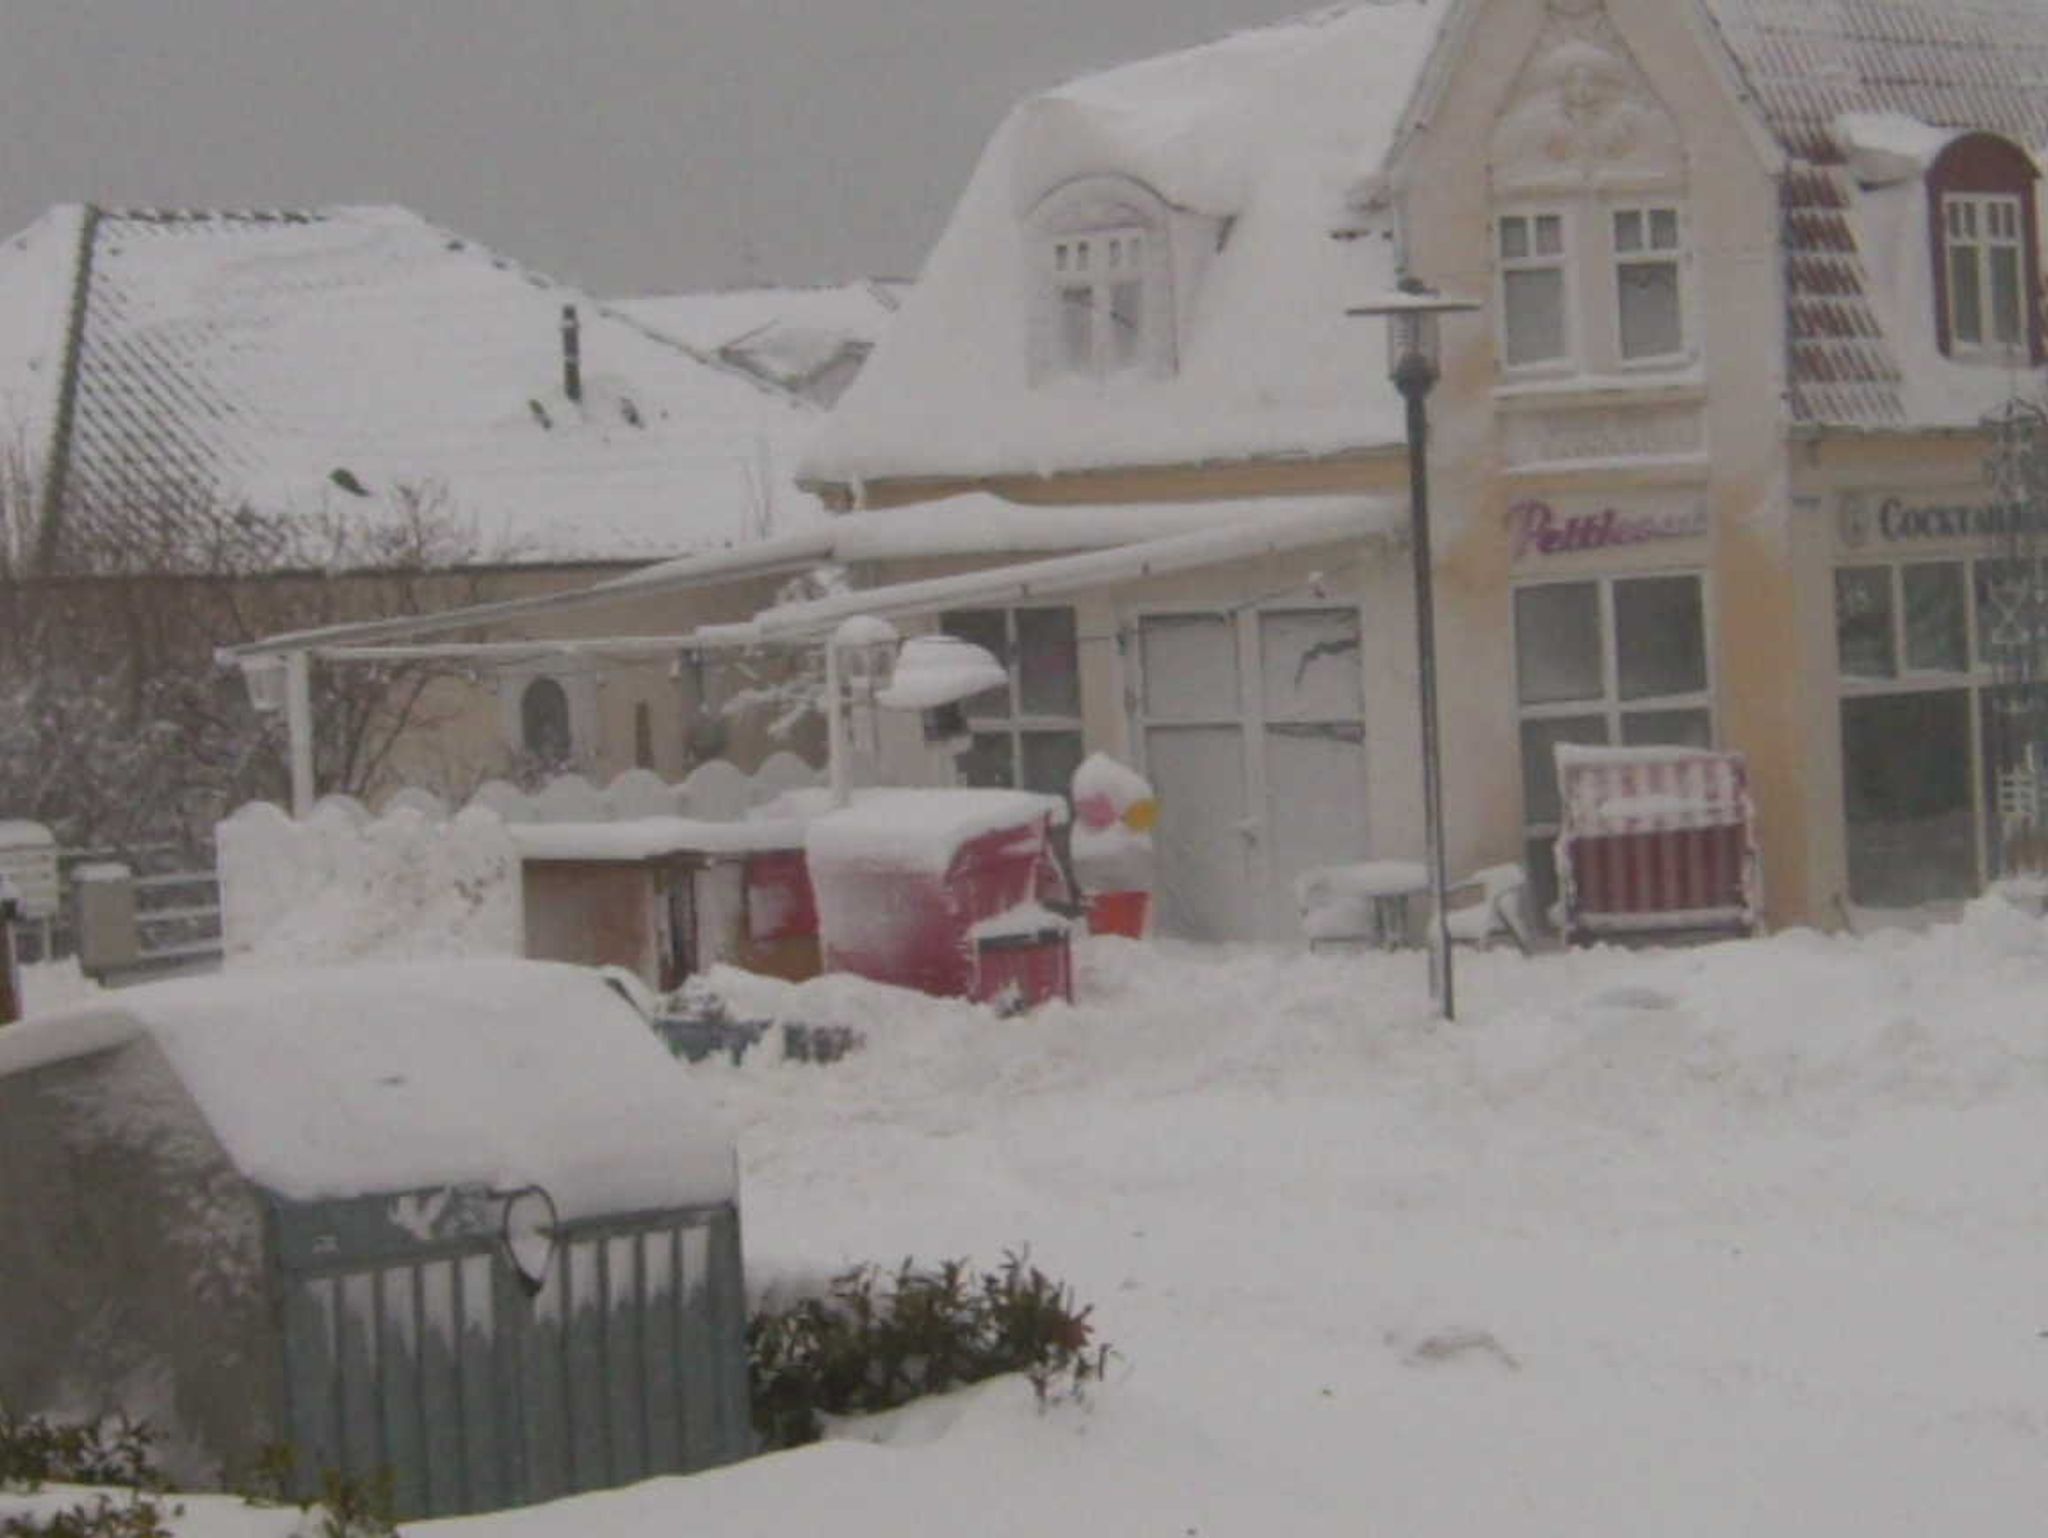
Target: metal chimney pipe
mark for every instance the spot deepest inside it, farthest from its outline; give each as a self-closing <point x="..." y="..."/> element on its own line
<point x="572" y="354"/>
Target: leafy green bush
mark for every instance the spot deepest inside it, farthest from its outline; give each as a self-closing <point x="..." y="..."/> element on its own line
<point x="34" y="1451"/>
<point x="120" y="1453"/>
<point x="349" y="1505"/>
<point x="876" y="1341"/>
<point x="114" y="1451"/>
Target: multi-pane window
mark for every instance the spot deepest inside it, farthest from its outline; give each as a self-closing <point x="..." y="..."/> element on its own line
<point x="1649" y="301"/>
<point x="1984" y="252"/>
<point x="1611" y="660"/>
<point x="1593" y="285"/>
<point x="1098" y="285"/>
<point x="1944" y="723"/>
<point x="1026" y="734"/>
<point x="1532" y="289"/>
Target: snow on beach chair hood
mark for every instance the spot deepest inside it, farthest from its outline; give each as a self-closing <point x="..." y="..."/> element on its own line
<point x="1655" y="840"/>
<point x="444" y="1219"/>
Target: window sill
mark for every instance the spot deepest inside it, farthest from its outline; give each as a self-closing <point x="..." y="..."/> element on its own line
<point x="1681" y="386"/>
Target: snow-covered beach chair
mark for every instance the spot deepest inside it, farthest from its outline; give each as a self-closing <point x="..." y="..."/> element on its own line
<point x="1656" y="841"/>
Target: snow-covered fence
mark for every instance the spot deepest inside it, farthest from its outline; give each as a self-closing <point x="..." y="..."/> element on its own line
<point x="415" y="880"/>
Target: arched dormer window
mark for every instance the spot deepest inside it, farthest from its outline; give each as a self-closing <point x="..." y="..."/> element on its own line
<point x="1986" y="248"/>
<point x="1104" y="281"/>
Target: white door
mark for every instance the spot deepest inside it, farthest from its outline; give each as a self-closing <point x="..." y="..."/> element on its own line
<point x="1253" y="732"/>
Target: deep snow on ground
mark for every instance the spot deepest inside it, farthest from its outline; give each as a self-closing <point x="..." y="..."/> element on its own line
<point x="1742" y="1239"/>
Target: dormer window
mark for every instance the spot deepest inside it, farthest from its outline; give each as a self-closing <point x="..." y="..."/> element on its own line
<point x="1099" y="282"/>
<point x="1104" y="304"/>
<point x="1985" y="256"/>
<point x="1986" y="252"/>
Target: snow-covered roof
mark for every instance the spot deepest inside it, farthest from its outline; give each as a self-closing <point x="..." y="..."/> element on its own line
<point x="810" y="341"/>
<point x="326" y="361"/>
<point x="1256" y="145"/>
<point x="354" y="1081"/>
<point x="1850" y="87"/>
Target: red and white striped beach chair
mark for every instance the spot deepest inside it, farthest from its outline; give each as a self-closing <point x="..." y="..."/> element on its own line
<point x="1656" y="841"/>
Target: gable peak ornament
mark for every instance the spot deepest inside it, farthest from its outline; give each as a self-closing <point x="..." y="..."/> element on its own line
<point x="1582" y="109"/>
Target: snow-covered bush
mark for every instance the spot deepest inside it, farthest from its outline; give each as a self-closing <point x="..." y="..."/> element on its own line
<point x="117" y="1453"/>
<point x="876" y="1341"/>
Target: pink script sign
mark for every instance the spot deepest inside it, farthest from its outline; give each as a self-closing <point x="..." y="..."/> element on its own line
<point x="1539" y="529"/>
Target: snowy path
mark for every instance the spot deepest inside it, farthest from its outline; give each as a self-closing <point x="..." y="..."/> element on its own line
<point x="1736" y="1241"/>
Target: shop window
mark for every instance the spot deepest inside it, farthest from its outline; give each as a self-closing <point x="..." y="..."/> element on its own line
<point x="1105" y="281"/>
<point x="1943" y="726"/>
<point x="1986" y="250"/>
<point x="1906" y="795"/>
<point x="1026" y="734"/>
<point x="1650" y="313"/>
<point x="1604" y="661"/>
<point x="1534" y="327"/>
<point x="1892" y="621"/>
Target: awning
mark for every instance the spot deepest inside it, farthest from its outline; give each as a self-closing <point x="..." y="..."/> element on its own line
<point x="1117" y="542"/>
<point x="1328" y="521"/>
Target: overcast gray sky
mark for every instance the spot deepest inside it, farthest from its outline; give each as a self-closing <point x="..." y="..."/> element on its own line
<point x="634" y="146"/>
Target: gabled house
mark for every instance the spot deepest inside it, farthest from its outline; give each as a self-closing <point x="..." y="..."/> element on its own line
<point x="1759" y="287"/>
<point x="361" y="389"/>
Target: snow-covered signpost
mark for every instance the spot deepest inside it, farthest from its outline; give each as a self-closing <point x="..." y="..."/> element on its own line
<point x="1411" y="317"/>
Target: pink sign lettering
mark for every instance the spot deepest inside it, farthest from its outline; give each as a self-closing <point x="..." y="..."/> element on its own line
<point x="1539" y="529"/>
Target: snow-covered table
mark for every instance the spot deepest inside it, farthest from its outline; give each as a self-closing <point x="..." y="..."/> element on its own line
<point x="1363" y="903"/>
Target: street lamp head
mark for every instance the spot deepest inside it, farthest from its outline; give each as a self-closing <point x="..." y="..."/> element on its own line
<point x="1412" y="342"/>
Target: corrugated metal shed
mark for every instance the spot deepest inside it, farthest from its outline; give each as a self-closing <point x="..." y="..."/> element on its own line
<point x="464" y="1223"/>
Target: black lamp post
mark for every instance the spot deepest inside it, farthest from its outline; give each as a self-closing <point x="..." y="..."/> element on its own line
<point x="1411" y="317"/>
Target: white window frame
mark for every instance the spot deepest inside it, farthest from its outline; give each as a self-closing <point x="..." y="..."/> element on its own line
<point x="1608" y="704"/>
<point x="1979" y="224"/>
<point x="1651" y="253"/>
<point x="1534" y="260"/>
<point x="1016" y="723"/>
<point x="1593" y="266"/>
<point x="1088" y="239"/>
<point x="1095" y="265"/>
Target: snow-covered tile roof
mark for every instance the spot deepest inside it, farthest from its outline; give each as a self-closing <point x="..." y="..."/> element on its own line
<point x="1258" y="145"/>
<point x="1822" y="71"/>
<point x="810" y="341"/>
<point x="327" y="360"/>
